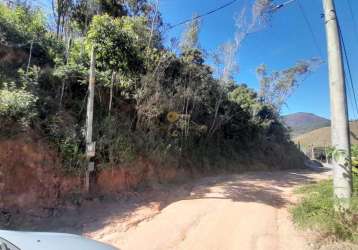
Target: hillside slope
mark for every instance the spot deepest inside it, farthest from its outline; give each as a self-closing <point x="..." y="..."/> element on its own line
<point x="322" y="136"/>
<point x="301" y="123"/>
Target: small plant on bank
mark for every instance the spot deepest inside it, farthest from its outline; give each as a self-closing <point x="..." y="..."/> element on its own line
<point x="17" y="104"/>
<point x="316" y="211"/>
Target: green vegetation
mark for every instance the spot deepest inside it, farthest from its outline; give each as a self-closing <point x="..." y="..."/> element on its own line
<point x="316" y="211"/>
<point x="214" y="122"/>
<point x="354" y="156"/>
<point x="16" y="102"/>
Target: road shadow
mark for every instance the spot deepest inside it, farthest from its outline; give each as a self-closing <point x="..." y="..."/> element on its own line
<point x="97" y="212"/>
<point x="259" y="187"/>
<point x="269" y="188"/>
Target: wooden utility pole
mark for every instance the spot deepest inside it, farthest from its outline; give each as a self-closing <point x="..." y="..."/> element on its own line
<point x="90" y="145"/>
<point x="342" y="170"/>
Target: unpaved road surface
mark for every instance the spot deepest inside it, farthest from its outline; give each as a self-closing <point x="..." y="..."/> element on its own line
<point x="246" y="212"/>
<point x="236" y="212"/>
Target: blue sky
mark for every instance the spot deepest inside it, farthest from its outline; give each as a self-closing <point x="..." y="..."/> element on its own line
<point x="280" y="45"/>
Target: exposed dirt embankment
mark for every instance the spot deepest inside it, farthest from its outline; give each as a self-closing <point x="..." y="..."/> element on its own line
<point x="141" y="172"/>
<point x="30" y="175"/>
<point x="32" y="180"/>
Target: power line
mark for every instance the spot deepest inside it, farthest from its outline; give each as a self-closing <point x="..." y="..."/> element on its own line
<point x="279" y="6"/>
<point x="309" y="27"/>
<point x="273" y="9"/>
<point x="355" y="30"/>
<point x="348" y="65"/>
<point x="353" y="18"/>
<point x="202" y="15"/>
<point x="351" y="99"/>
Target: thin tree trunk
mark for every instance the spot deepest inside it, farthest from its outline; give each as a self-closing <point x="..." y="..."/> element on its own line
<point x="62" y="92"/>
<point x="212" y="128"/>
<point x="153" y="22"/>
<point x="114" y="73"/>
<point x="30" y="56"/>
<point x="63" y="28"/>
<point x="66" y="62"/>
<point x="68" y="48"/>
<point x="58" y="23"/>
<point x="53" y="9"/>
<point x="86" y="17"/>
<point x="152" y="29"/>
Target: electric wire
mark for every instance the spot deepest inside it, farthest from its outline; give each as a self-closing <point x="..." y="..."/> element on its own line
<point x="350" y="99"/>
<point x="202" y="15"/>
<point x="354" y="25"/>
<point x="353" y="18"/>
<point x="350" y="87"/>
<point x="274" y="8"/>
<point x="310" y="28"/>
<point x="347" y="64"/>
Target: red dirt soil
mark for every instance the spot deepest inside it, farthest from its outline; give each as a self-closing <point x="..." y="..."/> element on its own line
<point x="140" y="172"/>
<point x="30" y="175"/>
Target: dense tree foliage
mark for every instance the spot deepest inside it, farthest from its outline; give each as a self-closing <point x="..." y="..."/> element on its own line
<point x="114" y="44"/>
<point x="162" y="104"/>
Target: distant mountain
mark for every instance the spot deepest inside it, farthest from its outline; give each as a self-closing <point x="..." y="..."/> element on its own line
<point x="322" y="136"/>
<point x="301" y="123"/>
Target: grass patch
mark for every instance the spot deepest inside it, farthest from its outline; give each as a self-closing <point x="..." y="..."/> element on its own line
<point x="315" y="211"/>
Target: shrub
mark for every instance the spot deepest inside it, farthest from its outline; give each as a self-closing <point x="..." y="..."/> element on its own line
<point x="24" y="30"/>
<point x="63" y="130"/>
<point x="316" y="211"/>
<point x="16" y="104"/>
<point x="115" y="143"/>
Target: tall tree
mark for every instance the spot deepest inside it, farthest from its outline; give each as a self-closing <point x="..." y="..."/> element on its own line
<point x="61" y="10"/>
<point x="190" y="37"/>
<point x="116" y="48"/>
<point x="277" y="86"/>
<point x="84" y="10"/>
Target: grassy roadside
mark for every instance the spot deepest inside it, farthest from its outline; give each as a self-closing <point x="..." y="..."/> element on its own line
<point x="315" y="211"/>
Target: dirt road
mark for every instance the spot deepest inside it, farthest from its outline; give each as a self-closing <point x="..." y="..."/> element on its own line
<point x="246" y="212"/>
<point x="237" y="212"/>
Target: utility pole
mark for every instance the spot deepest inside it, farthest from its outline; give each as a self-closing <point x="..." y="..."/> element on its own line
<point x="90" y="146"/>
<point x="342" y="170"/>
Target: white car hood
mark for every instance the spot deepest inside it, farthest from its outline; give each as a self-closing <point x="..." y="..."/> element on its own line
<point x="51" y="241"/>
